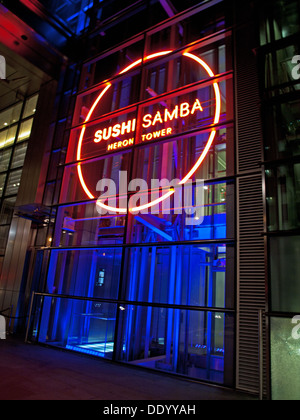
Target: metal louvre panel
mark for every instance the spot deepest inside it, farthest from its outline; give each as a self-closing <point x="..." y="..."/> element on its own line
<point x="251" y="295"/>
<point x="248" y="117"/>
<point x="251" y="280"/>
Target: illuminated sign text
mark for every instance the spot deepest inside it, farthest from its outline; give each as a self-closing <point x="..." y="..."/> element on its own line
<point x="183" y="110"/>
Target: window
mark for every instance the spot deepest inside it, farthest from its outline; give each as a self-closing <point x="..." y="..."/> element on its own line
<point x="189" y="343"/>
<point x="182" y="275"/>
<point x="25" y="130"/>
<point x="15" y="130"/>
<point x="285" y="383"/>
<point x="283" y="21"/>
<point x="19" y="155"/>
<point x="283" y="195"/>
<point x="284" y="274"/>
<point x="4" y="159"/>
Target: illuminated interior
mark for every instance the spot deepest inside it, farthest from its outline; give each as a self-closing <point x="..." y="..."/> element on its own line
<point x="149" y="284"/>
<point x="150" y="184"/>
<point x="15" y="129"/>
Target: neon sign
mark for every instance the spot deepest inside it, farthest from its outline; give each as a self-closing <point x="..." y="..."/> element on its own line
<point x="183" y="110"/>
<point x="180" y="111"/>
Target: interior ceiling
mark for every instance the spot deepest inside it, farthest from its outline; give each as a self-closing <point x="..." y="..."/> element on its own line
<point x="30" y="59"/>
<point x="22" y="78"/>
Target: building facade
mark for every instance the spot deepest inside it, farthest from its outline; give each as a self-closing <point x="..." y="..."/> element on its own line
<point x="154" y="219"/>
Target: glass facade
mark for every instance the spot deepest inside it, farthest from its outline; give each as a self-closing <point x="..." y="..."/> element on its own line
<point x="161" y="229"/>
<point x="15" y="129"/>
<point x="285" y="352"/>
<point x="153" y="287"/>
<point x="279" y="45"/>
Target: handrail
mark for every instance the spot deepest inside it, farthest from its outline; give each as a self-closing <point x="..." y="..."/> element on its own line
<point x="121" y="302"/>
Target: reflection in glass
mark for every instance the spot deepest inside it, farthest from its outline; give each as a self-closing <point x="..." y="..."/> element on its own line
<point x="84" y="326"/>
<point x="283" y="21"/>
<point x="4" y="159"/>
<point x="190" y="343"/>
<point x="285" y="274"/>
<point x="76" y="272"/>
<point x="175" y="219"/>
<point x="25" y="130"/>
<point x="92" y="172"/>
<point x="2" y="181"/>
<point x="13" y="182"/>
<point x="183" y="275"/>
<point x="283" y="197"/>
<point x="19" y="155"/>
<point x="30" y="106"/>
<point x="7" y="210"/>
<point x="7" y="137"/>
<point x="10" y="116"/>
<point x="283" y="127"/>
<point x="81" y="225"/>
<point x="4" y="231"/>
<point x="285" y="360"/>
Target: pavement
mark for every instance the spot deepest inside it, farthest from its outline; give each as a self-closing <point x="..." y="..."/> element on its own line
<point x="34" y="372"/>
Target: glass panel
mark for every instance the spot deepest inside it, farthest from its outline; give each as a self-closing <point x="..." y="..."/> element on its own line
<point x="193" y="213"/>
<point x="161" y="78"/>
<point x="30" y="106"/>
<point x="279" y="70"/>
<point x="13" y="183"/>
<point x="283" y="130"/>
<point x="7" y="137"/>
<point x="4" y="159"/>
<point x="183" y="275"/>
<point x="285" y="358"/>
<point x="83" y="326"/>
<point x="82" y="225"/>
<point x="7" y="210"/>
<point x="123" y="92"/>
<point x="286" y="18"/>
<point x="73" y="15"/>
<point x="54" y="162"/>
<point x="186" y="31"/>
<point x="10" y="115"/>
<point x="19" y="155"/>
<point x="174" y="159"/>
<point x="183" y="113"/>
<point x="283" y="197"/>
<point x="80" y="183"/>
<point x="25" y="130"/>
<point x="102" y="137"/>
<point x="285" y="273"/>
<point x="48" y="193"/>
<point x="90" y="273"/>
<point x="92" y="329"/>
<point x="4" y="231"/>
<point x="2" y="181"/>
<point x="190" y="343"/>
<point x="109" y="66"/>
<point x="184" y="70"/>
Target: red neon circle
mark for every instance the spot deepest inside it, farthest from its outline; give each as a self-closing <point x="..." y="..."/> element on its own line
<point x="198" y="162"/>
